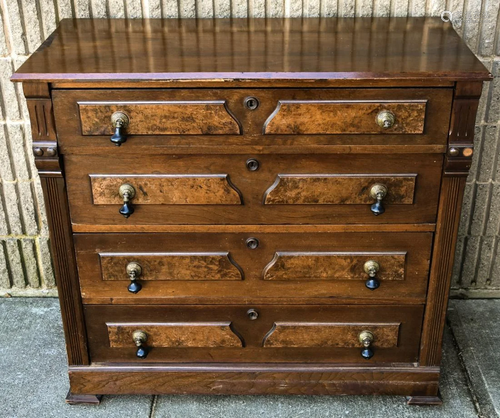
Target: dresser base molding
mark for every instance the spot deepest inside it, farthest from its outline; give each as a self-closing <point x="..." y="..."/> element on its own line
<point x="424" y="400"/>
<point x="73" y="399"/>
<point x="255" y="379"/>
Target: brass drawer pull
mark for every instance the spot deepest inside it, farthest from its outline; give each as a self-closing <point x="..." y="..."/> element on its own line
<point x="386" y="119"/>
<point x="140" y="338"/>
<point x="371" y="268"/>
<point x="127" y="192"/>
<point x="366" y="338"/>
<point x="378" y="192"/>
<point x="134" y="270"/>
<point x="120" y="122"/>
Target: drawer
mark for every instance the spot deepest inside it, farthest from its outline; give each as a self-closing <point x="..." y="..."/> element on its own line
<point x="219" y="268"/>
<point x="285" y="189"/>
<point x="215" y="117"/>
<point x="264" y="333"/>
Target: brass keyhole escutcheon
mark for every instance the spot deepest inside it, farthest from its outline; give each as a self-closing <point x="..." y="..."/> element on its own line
<point x="252" y="243"/>
<point x="251" y="103"/>
<point x="252" y="314"/>
<point x="253" y="164"/>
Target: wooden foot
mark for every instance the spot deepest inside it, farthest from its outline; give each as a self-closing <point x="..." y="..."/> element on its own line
<point x="74" y="399"/>
<point x="424" y="400"/>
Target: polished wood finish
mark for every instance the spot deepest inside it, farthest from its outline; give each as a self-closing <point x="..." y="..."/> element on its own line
<point x="337" y="189"/>
<point x="172" y="266"/>
<point x="322" y="267"/>
<point x="157" y="189"/>
<point x="58" y="218"/>
<point x="256" y="379"/>
<point x="244" y="340"/>
<point x="309" y="265"/>
<point x="253" y="273"/>
<point x="299" y="117"/>
<point x="71" y="139"/>
<point x="329" y="334"/>
<point x="424" y="400"/>
<point x="252" y="185"/>
<point x="176" y="335"/>
<point x="272" y="49"/>
<point x="160" y="118"/>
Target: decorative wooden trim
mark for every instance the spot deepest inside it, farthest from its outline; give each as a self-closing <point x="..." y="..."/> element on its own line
<point x="202" y="266"/>
<point x="441" y="269"/>
<point x="461" y="135"/>
<point x="63" y="255"/>
<point x="255" y="379"/>
<point x="338" y="189"/>
<point x="177" y="334"/>
<point x="329" y="334"/>
<point x="294" y="265"/>
<point x="48" y="162"/>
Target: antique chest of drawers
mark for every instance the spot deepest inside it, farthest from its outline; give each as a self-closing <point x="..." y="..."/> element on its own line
<point x="253" y="206"/>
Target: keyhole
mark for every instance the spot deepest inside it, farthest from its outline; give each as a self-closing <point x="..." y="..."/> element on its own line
<point x="251" y="103"/>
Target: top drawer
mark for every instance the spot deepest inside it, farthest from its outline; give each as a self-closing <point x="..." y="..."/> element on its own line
<point x="190" y="117"/>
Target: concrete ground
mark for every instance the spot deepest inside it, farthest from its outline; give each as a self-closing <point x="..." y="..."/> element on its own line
<point x="33" y="380"/>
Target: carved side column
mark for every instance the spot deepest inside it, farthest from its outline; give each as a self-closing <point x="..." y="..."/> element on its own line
<point x="49" y="164"/>
<point x="456" y="167"/>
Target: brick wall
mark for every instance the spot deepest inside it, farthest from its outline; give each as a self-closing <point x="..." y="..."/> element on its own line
<point x="25" y="267"/>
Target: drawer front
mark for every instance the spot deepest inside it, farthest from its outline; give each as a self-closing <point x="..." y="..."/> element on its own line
<point x="306" y="189"/>
<point x="221" y="117"/>
<point x="311" y="333"/>
<point x="217" y="268"/>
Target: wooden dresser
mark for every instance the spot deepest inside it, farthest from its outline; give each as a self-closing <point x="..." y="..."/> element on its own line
<point x="253" y="206"/>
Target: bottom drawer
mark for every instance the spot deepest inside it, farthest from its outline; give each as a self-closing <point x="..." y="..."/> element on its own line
<point x="327" y="334"/>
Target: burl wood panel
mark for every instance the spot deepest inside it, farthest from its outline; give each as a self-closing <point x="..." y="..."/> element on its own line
<point x="236" y="338"/>
<point x="329" y="334"/>
<point x="172" y="266"/>
<point x="252" y="140"/>
<point x="178" y="335"/>
<point x="333" y="266"/>
<point x="209" y="189"/>
<point x="252" y="186"/>
<point x="203" y="117"/>
<point x="338" y="189"/>
<point x="310" y="117"/>
<point x="328" y="279"/>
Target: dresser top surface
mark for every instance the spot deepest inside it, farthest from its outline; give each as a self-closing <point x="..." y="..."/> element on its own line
<point x="253" y="49"/>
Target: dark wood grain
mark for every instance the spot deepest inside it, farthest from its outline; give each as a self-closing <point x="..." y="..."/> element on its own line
<point x="252" y="186"/>
<point x="58" y="219"/>
<point x="410" y="268"/>
<point x="253" y="333"/>
<point x="291" y="49"/>
<point x="67" y="104"/>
